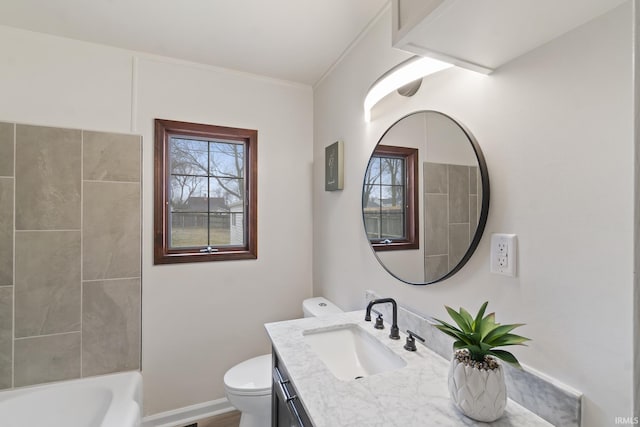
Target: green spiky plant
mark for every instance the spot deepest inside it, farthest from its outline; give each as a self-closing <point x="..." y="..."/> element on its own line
<point x="481" y="335"/>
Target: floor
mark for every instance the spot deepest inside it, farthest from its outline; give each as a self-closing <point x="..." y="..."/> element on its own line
<point x="229" y="419"/>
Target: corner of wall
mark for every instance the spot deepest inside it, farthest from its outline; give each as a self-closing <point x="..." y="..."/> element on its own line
<point x="636" y="213"/>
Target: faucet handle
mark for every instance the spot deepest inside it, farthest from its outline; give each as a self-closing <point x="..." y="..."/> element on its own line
<point x="379" y="324"/>
<point x="411" y="341"/>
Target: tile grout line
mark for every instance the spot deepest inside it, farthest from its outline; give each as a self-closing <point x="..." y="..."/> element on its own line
<point x="134" y="120"/>
<point x="111" y="181"/>
<point x="48" y="335"/>
<point x="13" y="296"/>
<point x="111" y="279"/>
<point x="43" y="231"/>
<point x="140" y="219"/>
<point x="469" y="203"/>
<point x="448" y="220"/>
<point x="81" y="245"/>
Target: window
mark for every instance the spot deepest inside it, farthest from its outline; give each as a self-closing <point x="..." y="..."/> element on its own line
<point x="390" y="198"/>
<point x="205" y="193"/>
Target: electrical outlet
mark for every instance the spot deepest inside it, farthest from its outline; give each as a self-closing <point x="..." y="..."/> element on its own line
<point x="503" y="262"/>
<point x="503" y="254"/>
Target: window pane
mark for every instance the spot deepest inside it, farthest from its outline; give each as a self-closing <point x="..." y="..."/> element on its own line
<point x="188" y="157"/>
<point x="372" y="198"/>
<point x="372" y="224"/>
<point x="398" y="197"/>
<point x="392" y="224"/>
<point x="225" y="192"/>
<point x="188" y="193"/>
<point x="385" y="171"/>
<point x="372" y="177"/>
<point x="226" y="159"/>
<point x="392" y="171"/>
<point x="236" y="230"/>
<point x="392" y="197"/>
<point x="220" y="226"/>
<point x="188" y="229"/>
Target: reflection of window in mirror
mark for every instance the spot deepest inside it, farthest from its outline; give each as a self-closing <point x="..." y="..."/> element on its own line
<point x="390" y="198"/>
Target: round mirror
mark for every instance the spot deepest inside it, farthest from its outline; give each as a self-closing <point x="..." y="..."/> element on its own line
<point x="425" y="197"/>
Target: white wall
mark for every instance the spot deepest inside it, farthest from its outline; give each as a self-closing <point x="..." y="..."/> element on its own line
<point x="556" y="128"/>
<point x="201" y="319"/>
<point x="447" y="143"/>
<point x="198" y="319"/>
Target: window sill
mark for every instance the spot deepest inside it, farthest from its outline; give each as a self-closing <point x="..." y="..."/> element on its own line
<point x="189" y="257"/>
<point x="395" y="246"/>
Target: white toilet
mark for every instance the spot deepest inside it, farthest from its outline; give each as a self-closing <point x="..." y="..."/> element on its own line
<point x="248" y="384"/>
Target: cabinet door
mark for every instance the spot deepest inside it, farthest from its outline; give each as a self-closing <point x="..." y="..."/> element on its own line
<point x="286" y="407"/>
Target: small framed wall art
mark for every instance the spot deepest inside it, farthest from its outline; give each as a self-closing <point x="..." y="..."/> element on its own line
<point x="334" y="167"/>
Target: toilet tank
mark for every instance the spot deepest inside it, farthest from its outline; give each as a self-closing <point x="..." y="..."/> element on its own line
<point x="319" y="306"/>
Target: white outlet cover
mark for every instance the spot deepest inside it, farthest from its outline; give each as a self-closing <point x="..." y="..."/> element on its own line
<point x="503" y="254"/>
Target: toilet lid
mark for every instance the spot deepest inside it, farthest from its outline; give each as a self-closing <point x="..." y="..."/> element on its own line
<point x="252" y="376"/>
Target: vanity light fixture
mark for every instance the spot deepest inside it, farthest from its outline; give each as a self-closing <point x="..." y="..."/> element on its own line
<point x="402" y="74"/>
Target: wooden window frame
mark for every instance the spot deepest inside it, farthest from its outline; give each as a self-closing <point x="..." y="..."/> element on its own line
<point x="412" y="210"/>
<point x="164" y="130"/>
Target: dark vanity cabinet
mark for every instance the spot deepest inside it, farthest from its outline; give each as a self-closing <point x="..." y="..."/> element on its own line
<point x="286" y="407"/>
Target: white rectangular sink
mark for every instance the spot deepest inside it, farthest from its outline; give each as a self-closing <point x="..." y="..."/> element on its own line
<point x="351" y="353"/>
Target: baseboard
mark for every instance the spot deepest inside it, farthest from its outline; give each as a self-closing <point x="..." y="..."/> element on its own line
<point x="188" y="414"/>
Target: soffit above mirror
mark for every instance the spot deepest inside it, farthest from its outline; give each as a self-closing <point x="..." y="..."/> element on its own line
<point x="483" y="35"/>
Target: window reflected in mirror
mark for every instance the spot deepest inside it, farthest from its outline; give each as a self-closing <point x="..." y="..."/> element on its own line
<point x="389" y="198"/>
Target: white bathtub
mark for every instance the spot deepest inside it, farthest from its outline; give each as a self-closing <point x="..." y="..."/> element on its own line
<point x="113" y="400"/>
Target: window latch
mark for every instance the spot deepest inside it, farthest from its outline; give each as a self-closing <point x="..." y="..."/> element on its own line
<point x="387" y="241"/>
<point x="208" y="250"/>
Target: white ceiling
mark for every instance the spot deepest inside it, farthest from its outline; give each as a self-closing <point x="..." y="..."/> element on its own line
<point x="296" y="40"/>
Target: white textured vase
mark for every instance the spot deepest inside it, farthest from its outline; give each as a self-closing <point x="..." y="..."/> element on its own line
<point x="479" y="394"/>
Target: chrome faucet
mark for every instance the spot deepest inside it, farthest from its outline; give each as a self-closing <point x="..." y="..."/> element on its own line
<point x="395" y="331"/>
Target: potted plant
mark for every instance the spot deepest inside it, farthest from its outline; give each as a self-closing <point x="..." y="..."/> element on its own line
<point x="476" y="378"/>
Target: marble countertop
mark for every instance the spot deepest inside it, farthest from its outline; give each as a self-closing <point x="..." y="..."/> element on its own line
<point x="415" y="395"/>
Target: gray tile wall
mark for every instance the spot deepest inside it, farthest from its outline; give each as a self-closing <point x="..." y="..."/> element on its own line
<point x="7" y="179"/>
<point x="46" y="358"/>
<point x="47" y="289"/>
<point x="48" y="177"/>
<point x="7" y="131"/>
<point x="6" y="335"/>
<point x="110" y="326"/>
<point x="451" y="213"/>
<point x="70" y="247"/>
<point x="113" y="230"/>
<point x="6" y="231"/>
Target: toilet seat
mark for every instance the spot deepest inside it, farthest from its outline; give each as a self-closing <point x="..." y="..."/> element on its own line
<point x="250" y="378"/>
